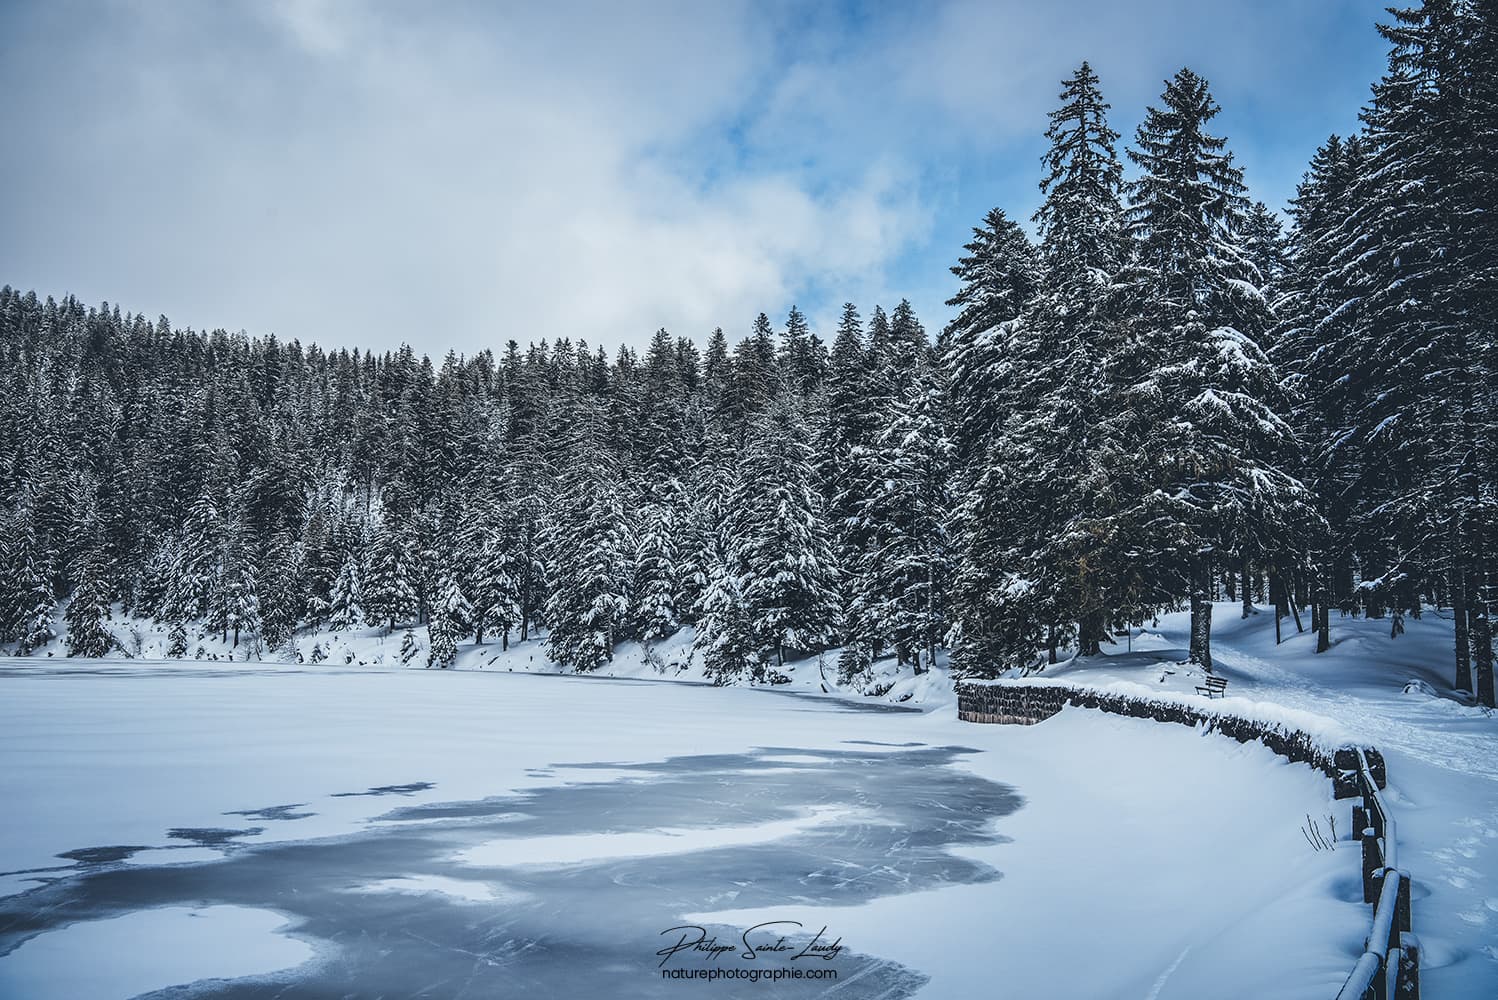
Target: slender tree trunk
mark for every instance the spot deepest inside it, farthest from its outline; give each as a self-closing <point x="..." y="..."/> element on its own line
<point x="1484" y="605"/>
<point x="1276" y="599"/>
<point x="1051" y="640"/>
<point x="1322" y="610"/>
<point x="1459" y="611"/>
<point x="504" y="640"/>
<point x="1201" y="616"/>
<point x="1248" y="597"/>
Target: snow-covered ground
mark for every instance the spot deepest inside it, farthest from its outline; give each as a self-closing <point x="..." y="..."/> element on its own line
<point x="672" y="658"/>
<point x="485" y="830"/>
<point x="1392" y="693"/>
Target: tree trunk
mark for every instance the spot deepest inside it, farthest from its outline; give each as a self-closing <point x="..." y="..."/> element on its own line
<point x="1276" y="600"/>
<point x="504" y="640"/>
<point x="1201" y="616"/>
<point x="1087" y="634"/>
<point x="1482" y="629"/>
<point x="1248" y="597"/>
<point x="1051" y="642"/>
<point x="1459" y="610"/>
<point x="1321" y="610"/>
<point x="1484" y="605"/>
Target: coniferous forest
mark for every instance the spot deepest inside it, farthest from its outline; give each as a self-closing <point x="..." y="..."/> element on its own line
<point x="1158" y="393"/>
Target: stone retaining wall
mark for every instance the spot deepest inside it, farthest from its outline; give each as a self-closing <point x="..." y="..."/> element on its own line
<point x="1021" y="703"/>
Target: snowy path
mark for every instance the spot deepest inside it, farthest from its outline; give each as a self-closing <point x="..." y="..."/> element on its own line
<point x="1443" y="754"/>
<point x="473" y="834"/>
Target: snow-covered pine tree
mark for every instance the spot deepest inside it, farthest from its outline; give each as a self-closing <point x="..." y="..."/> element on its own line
<point x="1210" y="398"/>
<point x="997" y="279"/>
<point x="388" y="593"/>
<point x="410" y="648"/>
<point x="726" y="637"/>
<point x="798" y="359"/>
<point x="195" y="571"/>
<point x="781" y="540"/>
<point x="321" y="562"/>
<point x="279" y="588"/>
<point x="494" y="581"/>
<point x="1036" y="406"/>
<point x="345" y="611"/>
<point x="1311" y="311"/>
<point x="237" y="604"/>
<point x="27" y="613"/>
<point x="88" y="613"/>
<point x="233" y="603"/>
<point x="657" y="577"/>
<point x="900" y="590"/>
<point x="846" y="422"/>
<point x="451" y="613"/>
<point x="589" y="558"/>
<point x="701" y="524"/>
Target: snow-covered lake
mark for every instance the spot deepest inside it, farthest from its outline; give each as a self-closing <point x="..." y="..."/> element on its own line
<point x="321" y="831"/>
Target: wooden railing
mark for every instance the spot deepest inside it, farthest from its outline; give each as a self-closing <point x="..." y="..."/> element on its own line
<point x="1390" y="964"/>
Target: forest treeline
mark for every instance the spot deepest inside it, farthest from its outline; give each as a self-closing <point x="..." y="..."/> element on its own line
<point x="1161" y="395"/>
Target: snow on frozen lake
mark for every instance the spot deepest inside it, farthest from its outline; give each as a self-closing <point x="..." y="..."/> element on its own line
<point x="508" y="834"/>
<point x="146" y="950"/>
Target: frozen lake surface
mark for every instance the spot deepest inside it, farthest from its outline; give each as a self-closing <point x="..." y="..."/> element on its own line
<point x="293" y="832"/>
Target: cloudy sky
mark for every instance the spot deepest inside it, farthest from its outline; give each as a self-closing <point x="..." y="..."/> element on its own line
<point x="457" y="174"/>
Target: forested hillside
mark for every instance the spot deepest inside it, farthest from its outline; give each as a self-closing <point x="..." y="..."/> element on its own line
<point x="1154" y="395"/>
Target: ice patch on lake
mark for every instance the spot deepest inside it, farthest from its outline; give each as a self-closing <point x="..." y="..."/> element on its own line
<point x="587" y="847"/>
<point x="18" y="882"/>
<point x="465" y="890"/>
<point x="174" y="856"/>
<point x="150" y="950"/>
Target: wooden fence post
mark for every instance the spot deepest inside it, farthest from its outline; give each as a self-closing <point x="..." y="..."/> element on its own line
<point x="1372" y="865"/>
<point x="1402" y="907"/>
<point x="1408" y="984"/>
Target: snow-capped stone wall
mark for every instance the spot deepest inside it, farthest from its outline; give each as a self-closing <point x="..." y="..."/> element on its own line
<point x="1026" y="703"/>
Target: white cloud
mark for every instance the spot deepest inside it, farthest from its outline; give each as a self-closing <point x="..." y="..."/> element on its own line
<point x="362" y="179"/>
<point x="456" y="174"/>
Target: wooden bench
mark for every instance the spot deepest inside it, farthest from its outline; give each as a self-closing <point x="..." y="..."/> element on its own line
<point x="1214" y="687"/>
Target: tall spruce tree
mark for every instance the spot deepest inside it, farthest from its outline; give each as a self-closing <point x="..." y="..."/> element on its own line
<point x="781" y="544"/>
<point x="1206" y="394"/>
